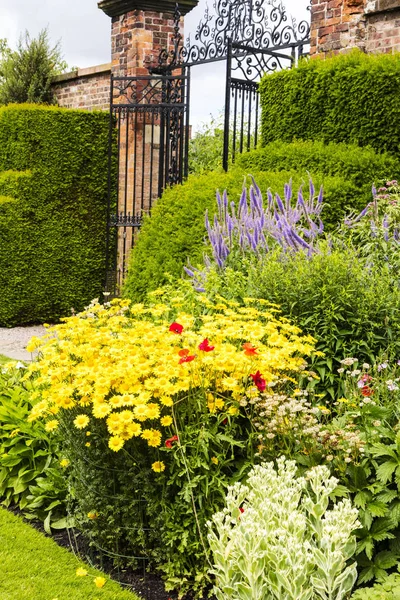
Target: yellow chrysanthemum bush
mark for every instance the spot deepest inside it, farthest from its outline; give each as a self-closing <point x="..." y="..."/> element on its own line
<point x="154" y="407"/>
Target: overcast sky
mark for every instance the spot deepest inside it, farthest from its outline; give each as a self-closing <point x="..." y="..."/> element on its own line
<point x="84" y="32"/>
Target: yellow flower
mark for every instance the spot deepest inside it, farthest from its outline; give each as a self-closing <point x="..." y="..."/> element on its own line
<point x="64" y="463"/>
<point x="14" y="432"/>
<point x="166" y="400"/>
<point x="80" y="572"/>
<point x="100" y="582"/>
<point x="115" y="443"/>
<point x="152" y="436"/>
<point x="93" y="514"/>
<point x="158" y="466"/>
<point x="214" y="460"/>
<point x="51" y="425"/>
<point x="134" y="429"/>
<point x="87" y="444"/>
<point x="232" y="410"/>
<point x="101" y="410"/>
<point x="88" y="433"/>
<point x="81" y="421"/>
<point x="166" y="421"/>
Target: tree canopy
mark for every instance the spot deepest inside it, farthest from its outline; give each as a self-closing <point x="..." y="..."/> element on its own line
<point x="26" y="73"/>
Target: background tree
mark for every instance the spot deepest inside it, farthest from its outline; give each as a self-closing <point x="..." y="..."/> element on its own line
<point x="26" y="73"/>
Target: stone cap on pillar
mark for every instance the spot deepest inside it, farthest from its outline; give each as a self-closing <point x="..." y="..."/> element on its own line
<point x="115" y="8"/>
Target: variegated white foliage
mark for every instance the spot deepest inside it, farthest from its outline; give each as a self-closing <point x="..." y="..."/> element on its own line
<point x="280" y="537"/>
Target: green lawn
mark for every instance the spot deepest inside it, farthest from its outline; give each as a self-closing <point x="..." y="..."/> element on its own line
<point x="33" y="567"/>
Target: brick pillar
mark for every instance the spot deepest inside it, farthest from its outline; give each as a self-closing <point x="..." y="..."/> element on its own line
<point x="140" y="29"/>
<point x="340" y="25"/>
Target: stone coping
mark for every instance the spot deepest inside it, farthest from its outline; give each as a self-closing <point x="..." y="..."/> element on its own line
<point x="115" y="8"/>
<point x="381" y="6"/>
<point x="87" y="72"/>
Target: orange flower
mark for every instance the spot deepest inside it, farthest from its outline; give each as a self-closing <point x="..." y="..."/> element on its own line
<point x="249" y="349"/>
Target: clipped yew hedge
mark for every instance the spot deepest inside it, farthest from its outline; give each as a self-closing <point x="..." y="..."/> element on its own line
<point x="352" y="98"/>
<point x="53" y="198"/>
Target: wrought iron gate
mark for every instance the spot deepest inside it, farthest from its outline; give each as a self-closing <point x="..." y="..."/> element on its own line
<point x="152" y="127"/>
<point x="151" y="113"/>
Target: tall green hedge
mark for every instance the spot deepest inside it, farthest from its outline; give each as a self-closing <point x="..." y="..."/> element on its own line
<point x="348" y="98"/>
<point x="53" y="197"/>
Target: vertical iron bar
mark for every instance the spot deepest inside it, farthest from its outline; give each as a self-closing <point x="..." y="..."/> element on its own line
<point x="235" y="91"/>
<point x="162" y="141"/>
<point x="151" y="160"/>
<point x="242" y="122"/>
<point x="187" y="126"/>
<point x="135" y="165"/>
<point x="249" y="95"/>
<point x="225" y="160"/>
<point x="110" y="154"/>
<point x="257" y="99"/>
<point x="144" y="114"/>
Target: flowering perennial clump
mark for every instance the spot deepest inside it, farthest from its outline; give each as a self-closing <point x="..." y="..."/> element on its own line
<point x="277" y="538"/>
<point x="128" y="365"/>
<point x="256" y="226"/>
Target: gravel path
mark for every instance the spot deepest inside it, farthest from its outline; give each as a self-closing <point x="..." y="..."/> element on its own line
<point x="13" y="341"/>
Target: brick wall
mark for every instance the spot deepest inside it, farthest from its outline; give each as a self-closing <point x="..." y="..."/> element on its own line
<point x="340" y="25"/>
<point x="88" y="89"/>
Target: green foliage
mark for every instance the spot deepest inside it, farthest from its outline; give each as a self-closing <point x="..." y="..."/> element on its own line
<point x="26" y="74"/>
<point x="206" y="148"/>
<point x="374" y="480"/>
<point x="175" y="232"/>
<point x="34" y="566"/>
<point x="53" y="197"/>
<point x="349" y="98"/>
<point x="30" y="473"/>
<point x="388" y="590"/>
<point x="349" y="309"/>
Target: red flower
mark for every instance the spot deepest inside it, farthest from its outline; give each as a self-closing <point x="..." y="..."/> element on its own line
<point x="176" y="328"/>
<point x="225" y="421"/>
<point x="170" y="441"/>
<point x="186" y="359"/>
<point x="366" y="391"/>
<point x="205" y="346"/>
<point x="259" y="382"/>
<point x="249" y="349"/>
<point x="241" y="509"/>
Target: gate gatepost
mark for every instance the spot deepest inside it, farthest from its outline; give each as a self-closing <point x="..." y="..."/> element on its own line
<point x="140" y="31"/>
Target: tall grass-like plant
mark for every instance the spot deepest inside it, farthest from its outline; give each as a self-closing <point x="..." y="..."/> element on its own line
<point x="277" y="538"/>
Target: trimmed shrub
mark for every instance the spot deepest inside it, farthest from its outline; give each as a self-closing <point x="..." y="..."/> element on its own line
<point x="53" y="198"/>
<point x="175" y="232"/>
<point x="350" y="309"/>
<point x="348" y="98"/>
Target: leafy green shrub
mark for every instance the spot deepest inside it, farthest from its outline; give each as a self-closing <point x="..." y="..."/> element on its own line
<point x="53" y="165"/>
<point x="30" y="473"/>
<point x="351" y="309"/>
<point x="175" y="231"/>
<point x="370" y="403"/>
<point x="388" y="590"/>
<point x="276" y="538"/>
<point x="349" y="98"/>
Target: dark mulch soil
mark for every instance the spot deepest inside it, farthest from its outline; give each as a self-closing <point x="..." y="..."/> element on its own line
<point x="148" y="586"/>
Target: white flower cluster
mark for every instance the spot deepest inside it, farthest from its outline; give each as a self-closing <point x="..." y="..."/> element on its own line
<point x="276" y="539"/>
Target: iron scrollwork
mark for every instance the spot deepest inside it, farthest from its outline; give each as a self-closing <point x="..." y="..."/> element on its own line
<point x="260" y="24"/>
